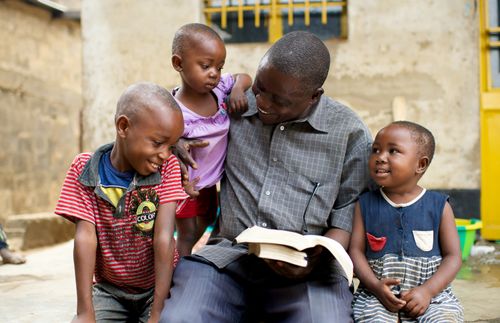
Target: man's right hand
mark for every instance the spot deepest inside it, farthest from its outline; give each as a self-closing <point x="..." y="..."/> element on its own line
<point x="183" y="152"/>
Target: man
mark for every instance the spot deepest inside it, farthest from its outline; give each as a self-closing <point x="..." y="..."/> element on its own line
<point x="296" y="161"/>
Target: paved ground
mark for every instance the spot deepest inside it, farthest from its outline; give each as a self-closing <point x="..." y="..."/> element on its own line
<point x="42" y="290"/>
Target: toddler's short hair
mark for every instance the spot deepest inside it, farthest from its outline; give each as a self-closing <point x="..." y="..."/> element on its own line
<point x="302" y="55"/>
<point x="422" y="136"/>
<point x="184" y="35"/>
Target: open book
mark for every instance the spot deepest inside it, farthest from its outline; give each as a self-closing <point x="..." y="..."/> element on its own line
<point x="288" y="246"/>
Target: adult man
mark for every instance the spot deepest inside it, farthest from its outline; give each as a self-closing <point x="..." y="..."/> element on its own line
<point x="296" y="161"/>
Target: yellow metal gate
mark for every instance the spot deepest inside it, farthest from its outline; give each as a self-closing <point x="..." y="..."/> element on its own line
<point x="490" y="117"/>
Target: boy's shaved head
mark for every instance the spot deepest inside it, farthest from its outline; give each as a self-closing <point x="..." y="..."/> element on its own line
<point x="188" y="33"/>
<point x="302" y="55"/>
<point x="422" y="136"/>
<point x="143" y="95"/>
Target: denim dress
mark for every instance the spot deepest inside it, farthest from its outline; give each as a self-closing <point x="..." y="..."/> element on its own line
<point x="402" y="242"/>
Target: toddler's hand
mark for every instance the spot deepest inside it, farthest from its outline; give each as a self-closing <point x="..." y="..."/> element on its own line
<point x="386" y="296"/>
<point x="189" y="186"/>
<point x="417" y="301"/>
<point x="182" y="150"/>
<point x="238" y="102"/>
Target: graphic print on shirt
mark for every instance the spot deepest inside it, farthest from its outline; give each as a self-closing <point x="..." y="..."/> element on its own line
<point x="144" y="204"/>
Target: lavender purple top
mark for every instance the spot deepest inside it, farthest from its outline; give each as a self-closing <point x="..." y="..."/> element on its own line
<point x="213" y="129"/>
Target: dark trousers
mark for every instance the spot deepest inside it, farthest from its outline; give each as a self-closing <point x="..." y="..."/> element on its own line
<point x="248" y="291"/>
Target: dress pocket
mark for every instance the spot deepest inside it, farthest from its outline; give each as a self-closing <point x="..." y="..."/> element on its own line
<point x="376" y="243"/>
<point x="424" y="239"/>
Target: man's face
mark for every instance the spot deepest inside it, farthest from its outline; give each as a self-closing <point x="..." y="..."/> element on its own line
<point x="281" y="97"/>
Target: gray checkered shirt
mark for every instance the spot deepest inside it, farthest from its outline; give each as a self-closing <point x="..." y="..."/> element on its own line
<point x="297" y="175"/>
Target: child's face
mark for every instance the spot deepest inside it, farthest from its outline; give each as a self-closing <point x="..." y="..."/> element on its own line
<point x="394" y="159"/>
<point x="280" y="97"/>
<point x="202" y="64"/>
<point x="149" y="137"/>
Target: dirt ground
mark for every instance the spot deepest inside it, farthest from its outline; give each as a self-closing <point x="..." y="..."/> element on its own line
<point x="42" y="290"/>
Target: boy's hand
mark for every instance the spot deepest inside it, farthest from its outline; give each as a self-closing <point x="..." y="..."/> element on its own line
<point x="417" y="301"/>
<point x="238" y="102"/>
<point x="385" y="295"/>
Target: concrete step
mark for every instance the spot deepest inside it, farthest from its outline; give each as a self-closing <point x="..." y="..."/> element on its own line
<point x="28" y="231"/>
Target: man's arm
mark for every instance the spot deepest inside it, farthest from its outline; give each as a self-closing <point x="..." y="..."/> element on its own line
<point x="163" y="245"/>
<point x="84" y="257"/>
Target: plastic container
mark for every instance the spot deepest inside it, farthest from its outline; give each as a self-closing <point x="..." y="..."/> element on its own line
<point x="467" y="232"/>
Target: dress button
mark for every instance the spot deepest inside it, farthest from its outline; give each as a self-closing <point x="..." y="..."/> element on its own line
<point x="282" y="128"/>
<point x="275" y="159"/>
<point x="268" y="193"/>
<point x="264" y="224"/>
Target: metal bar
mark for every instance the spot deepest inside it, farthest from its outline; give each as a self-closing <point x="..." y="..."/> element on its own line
<point x="257" y="13"/>
<point x="307" y="14"/>
<point x="290" y="12"/>
<point x="240" y="14"/>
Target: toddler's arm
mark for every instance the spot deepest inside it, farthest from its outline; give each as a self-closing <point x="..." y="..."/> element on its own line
<point x="380" y="288"/>
<point x="163" y="245"/>
<point x="238" y="102"/>
<point x="418" y="298"/>
<point x="84" y="255"/>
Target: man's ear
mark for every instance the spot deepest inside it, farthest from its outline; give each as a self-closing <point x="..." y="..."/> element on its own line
<point x="423" y="163"/>
<point x="317" y="95"/>
<point x="122" y="126"/>
<point x="177" y="62"/>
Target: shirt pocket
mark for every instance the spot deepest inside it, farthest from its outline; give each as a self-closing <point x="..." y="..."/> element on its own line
<point x="375" y="243"/>
<point x="424" y="239"/>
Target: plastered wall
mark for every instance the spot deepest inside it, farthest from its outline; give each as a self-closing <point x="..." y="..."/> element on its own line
<point x="40" y="105"/>
<point x="402" y="59"/>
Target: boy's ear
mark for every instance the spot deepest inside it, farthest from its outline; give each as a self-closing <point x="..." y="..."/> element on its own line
<point x="122" y="126"/>
<point x="423" y="163"/>
<point x="177" y="62"/>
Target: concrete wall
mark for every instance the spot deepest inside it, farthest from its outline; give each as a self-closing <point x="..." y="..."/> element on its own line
<point x="40" y="103"/>
<point x="415" y="59"/>
<point x="125" y="41"/>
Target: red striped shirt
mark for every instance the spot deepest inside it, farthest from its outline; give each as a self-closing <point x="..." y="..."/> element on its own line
<point x="125" y="255"/>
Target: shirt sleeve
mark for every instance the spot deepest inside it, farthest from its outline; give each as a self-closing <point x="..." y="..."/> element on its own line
<point x="226" y="83"/>
<point x="76" y="201"/>
<point x="171" y="189"/>
<point x="354" y="179"/>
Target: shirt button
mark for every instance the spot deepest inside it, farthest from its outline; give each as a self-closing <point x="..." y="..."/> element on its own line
<point x="264" y="224"/>
<point x="282" y="128"/>
<point x="275" y="159"/>
<point x="268" y="193"/>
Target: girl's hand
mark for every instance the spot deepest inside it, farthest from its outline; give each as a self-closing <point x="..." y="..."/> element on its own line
<point x="189" y="186"/>
<point x="417" y="301"/>
<point x="386" y="296"/>
<point x="238" y="102"/>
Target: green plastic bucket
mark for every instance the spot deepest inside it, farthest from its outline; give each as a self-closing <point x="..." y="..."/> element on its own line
<point x="467" y="232"/>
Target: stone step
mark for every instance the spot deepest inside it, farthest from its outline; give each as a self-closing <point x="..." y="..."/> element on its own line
<point x="27" y="231"/>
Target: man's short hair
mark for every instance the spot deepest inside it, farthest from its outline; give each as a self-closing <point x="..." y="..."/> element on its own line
<point x="302" y="55"/>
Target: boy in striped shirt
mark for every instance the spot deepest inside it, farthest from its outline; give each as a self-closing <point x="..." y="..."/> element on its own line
<point x="123" y="199"/>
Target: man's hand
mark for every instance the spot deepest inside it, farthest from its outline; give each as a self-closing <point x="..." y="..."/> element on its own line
<point x="296" y="272"/>
<point x="183" y="152"/>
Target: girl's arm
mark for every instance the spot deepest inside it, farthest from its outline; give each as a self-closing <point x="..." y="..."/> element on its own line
<point x="238" y="102"/>
<point x="163" y="245"/>
<point x="380" y="288"/>
<point x="84" y="255"/>
<point x="418" y="298"/>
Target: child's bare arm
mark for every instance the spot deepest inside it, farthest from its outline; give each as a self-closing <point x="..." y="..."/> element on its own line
<point x="84" y="255"/>
<point x="238" y="102"/>
<point x="164" y="256"/>
<point x="418" y="298"/>
<point x="380" y="288"/>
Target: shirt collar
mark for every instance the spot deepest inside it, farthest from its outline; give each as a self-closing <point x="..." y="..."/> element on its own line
<point x="90" y="174"/>
<point x="318" y="117"/>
